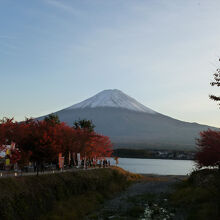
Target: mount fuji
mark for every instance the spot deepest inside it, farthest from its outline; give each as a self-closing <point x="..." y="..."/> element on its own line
<point x="113" y="99"/>
<point x="129" y="124"/>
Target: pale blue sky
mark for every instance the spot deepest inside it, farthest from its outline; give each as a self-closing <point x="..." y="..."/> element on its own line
<point x="55" y="53"/>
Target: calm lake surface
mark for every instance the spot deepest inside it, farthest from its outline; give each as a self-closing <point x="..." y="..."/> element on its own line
<point x="156" y="166"/>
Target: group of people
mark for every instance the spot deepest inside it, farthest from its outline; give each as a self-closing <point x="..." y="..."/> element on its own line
<point x="83" y="163"/>
<point x="89" y="163"/>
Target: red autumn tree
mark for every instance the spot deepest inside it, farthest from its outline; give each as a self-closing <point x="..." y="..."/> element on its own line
<point x="68" y="145"/>
<point x="15" y="156"/>
<point x="40" y="140"/>
<point x="91" y="144"/>
<point x="8" y="136"/>
<point x="82" y="140"/>
<point x="7" y="131"/>
<point x="208" y="153"/>
<point x="99" y="146"/>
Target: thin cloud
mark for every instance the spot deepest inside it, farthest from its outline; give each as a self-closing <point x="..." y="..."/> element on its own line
<point x="62" y="6"/>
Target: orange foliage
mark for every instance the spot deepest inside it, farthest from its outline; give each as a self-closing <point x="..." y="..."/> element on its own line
<point x="41" y="141"/>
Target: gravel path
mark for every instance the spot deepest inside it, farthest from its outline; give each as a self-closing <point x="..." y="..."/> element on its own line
<point x="124" y="201"/>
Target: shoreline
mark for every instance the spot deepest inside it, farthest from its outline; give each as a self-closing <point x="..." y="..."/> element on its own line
<point x="165" y="178"/>
<point x="165" y="175"/>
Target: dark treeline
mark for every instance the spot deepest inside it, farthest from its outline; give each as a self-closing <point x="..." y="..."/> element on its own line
<point x="154" y="154"/>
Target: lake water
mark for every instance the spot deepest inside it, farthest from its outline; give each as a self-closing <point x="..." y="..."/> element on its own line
<point x="156" y="166"/>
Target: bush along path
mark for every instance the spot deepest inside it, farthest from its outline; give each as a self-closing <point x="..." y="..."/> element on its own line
<point x="198" y="198"/>
<point x="147" y="199"/>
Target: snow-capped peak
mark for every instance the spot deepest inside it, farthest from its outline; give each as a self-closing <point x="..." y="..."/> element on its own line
<point x="113" y="98"/>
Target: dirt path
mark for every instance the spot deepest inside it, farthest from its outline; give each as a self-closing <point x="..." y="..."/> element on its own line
<point x="126" y="204"/>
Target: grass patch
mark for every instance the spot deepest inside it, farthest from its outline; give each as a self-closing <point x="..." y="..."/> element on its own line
<point x="199" y="196"/>
<point x="60" y="196"/>
<point x="76" y="207"/>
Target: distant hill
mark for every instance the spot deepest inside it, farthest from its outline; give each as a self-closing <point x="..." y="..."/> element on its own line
<point x="132" y="125"/>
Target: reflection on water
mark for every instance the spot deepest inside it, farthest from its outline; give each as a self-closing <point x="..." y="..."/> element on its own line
<point x="156" y="166"/>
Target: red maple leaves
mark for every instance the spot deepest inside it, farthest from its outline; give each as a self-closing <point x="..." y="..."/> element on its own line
<point x="42" y="141"/>
<point x="208" y="149"/>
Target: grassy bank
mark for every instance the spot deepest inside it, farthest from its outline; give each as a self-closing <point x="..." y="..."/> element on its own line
<point x="60" y="196"/>
<point x="199" y="196"/>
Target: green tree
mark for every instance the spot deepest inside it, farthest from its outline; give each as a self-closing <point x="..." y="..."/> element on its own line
<point x="215" y="82"/>
<point x="52" y="118"/>
<point x="84" y="124"/>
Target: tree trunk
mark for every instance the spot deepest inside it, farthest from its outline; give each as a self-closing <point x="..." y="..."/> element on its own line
<point x="37" y="168"/>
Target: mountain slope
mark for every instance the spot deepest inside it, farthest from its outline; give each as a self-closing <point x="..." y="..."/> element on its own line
<point x="112" y="98"/>
<point x="130" y="124"/>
